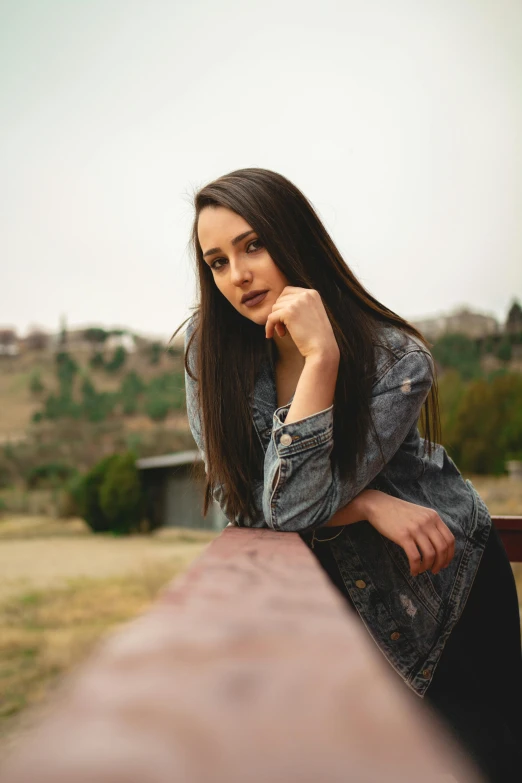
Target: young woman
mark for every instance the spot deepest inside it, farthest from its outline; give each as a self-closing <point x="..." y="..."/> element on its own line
<point x="303" y="394"/>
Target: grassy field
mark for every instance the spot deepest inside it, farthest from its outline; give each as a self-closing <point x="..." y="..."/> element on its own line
<point x="63" y="588"/>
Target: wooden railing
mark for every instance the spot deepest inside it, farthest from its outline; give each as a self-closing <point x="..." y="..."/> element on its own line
<point x="510" y="530"/>
<point x="250" y="668"/>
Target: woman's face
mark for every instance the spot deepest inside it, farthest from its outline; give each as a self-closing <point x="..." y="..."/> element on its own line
<point x="240" y="264"/>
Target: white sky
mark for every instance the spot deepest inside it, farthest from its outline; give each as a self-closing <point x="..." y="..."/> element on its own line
<point x="401" y="120"/>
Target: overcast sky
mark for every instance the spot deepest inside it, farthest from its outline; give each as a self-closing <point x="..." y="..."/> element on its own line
<point x="401" y="120"/>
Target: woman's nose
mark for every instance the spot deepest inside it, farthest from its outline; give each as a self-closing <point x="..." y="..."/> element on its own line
<point x="240" y="272"/>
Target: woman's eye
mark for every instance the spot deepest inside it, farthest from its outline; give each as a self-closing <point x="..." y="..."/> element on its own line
<point x="217" y="261"/>
<point x="255" y="242"/>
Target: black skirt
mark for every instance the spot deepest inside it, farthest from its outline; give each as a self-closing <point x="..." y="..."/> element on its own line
<point x="477" y="686"/>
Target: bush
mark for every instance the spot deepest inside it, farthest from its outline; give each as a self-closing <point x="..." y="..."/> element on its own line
<point x="488" y="424"/>
<point x="157" y="408"/>
<point x="70" y="504"/>
<point x="97" y="362"/>
<point x="35" y="383"/>
<point x="88" y="496"/>
<point x="118" y="360"/>
<point x="155" y="352"/>
<point x="504" y="350"/>
<point x="49" y="474"/>
<point x="121" y="495"/>
<point x="110" y="497"/>
<point x="459" y="352"/>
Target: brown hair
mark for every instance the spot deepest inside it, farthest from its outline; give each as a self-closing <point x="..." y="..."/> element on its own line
<point x="229" y="346"/>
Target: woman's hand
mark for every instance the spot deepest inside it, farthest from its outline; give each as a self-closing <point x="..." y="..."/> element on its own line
<point x="301" y="312"/>
<point x="428" y="542"/>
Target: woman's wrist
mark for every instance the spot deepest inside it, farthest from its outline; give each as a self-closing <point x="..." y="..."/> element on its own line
<point x="357" y="510"/>
<point x="315" y="389"/>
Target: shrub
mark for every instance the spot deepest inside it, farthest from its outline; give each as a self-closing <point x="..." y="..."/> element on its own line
<point x="459" y="352"/>
<point x="110" y="497"/>
<point x="155" y="351"/>
<point x="88" y="496"/>
<point x="488" y="424"/>
<point x="118" y="360"/>
<point x="504" y="350"/>
<point x="35" y="383"/>
<point x="157" y="408"/>
<point x="121" y="495"/>
<point x="49" y="474"/>
<point x="70" y="504"/>
<point x="97" y="362"/>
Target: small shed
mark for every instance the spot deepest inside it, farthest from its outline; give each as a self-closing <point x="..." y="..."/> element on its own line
<point x="174" y="496"/>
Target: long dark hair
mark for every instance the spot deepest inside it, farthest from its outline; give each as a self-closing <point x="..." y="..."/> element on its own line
<point x="229" y="347"/>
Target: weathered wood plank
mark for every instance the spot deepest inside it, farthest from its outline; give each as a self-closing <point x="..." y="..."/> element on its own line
<point x="249" y="668"/>
<point x="510" y="530"/>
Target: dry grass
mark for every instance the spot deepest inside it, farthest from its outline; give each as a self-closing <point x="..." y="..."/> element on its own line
<point x="62" y="590"/>
<point x="38" y="553"/>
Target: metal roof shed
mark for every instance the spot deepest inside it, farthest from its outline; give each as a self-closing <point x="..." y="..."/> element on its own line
<point x="174" y="496"/>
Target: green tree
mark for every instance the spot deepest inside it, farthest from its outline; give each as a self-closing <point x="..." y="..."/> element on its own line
<point x="504" y="350"/>
<point x="514" y="319"/>
<point x="63" y="332"/>
<point x="459" y="352"/>
<point x="97" y="362"/>
<point x="95" y="335"/>
<point x="118" y="360"/>
<point x="451" y="391"/>
<point x="35" y="383"/>
<point x="87" y="495"/>
<point x="155" y="351"/>
<point x="132" y="386"/>
<point x="489" y="424"/>
<point x="157" y="407"/>
<point x="121" y="495"/>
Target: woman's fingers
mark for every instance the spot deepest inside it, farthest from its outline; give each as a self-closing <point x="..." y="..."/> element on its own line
<point x="441" y="549"/>
<point x="450" y="541"/>
<point x="427" y="551"/>
<point x="413" y="555"/>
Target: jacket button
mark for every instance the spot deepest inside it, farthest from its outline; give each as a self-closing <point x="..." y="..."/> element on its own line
<point x="395" y="635"/>
<point x="285" y="439"/>
<point x="360" y="583"/>
<point x="426" y="674"/>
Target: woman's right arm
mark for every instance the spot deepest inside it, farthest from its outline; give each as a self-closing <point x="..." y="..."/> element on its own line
<point x="355" y="511"/>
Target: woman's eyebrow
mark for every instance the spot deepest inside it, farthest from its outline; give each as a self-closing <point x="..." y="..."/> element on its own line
<point x="234" y="243"/>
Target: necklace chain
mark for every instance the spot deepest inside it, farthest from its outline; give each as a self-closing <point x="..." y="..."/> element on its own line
<point x="314" y="539"/>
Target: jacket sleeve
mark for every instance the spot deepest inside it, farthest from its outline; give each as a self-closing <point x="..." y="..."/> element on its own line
<point x="302" y="491"/>
<point x="194" y="420"/>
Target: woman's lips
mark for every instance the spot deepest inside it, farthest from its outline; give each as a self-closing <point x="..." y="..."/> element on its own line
<point x="255" y="300"/>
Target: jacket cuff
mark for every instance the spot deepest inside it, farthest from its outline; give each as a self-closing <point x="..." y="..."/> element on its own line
<point x="302" y="434"/>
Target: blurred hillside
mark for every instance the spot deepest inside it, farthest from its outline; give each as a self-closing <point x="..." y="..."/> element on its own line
<point x="70" y="398"/>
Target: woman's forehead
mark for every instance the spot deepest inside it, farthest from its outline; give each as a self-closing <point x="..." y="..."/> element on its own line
<point x="219" y="223"/>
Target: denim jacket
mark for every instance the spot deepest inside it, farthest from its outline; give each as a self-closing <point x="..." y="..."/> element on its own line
<point x="409" y="618"/>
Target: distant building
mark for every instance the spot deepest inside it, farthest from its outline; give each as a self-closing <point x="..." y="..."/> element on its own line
<point x="36" y="340"/>
<point x="461" y="321"/>
<point x="120" y="340"/>
<point x="173" y="496"/>
<point x="8" y="343"/>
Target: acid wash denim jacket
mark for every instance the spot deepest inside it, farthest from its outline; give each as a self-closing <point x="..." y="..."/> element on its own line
<point x="409" y="617"/>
